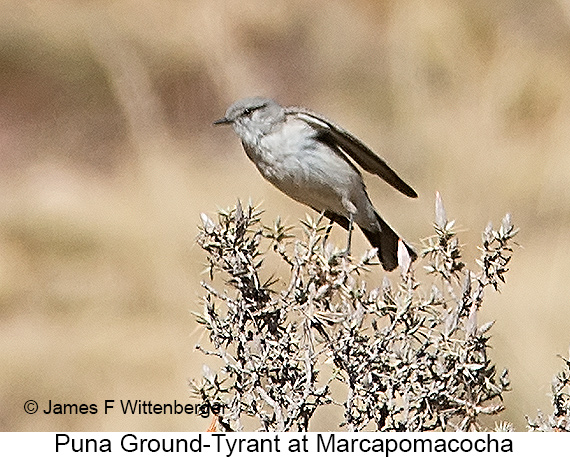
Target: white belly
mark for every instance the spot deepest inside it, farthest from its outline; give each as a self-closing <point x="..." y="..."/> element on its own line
<point x="312" y="173"/>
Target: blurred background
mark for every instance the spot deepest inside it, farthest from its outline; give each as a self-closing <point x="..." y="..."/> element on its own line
<point x="108" y="156"/>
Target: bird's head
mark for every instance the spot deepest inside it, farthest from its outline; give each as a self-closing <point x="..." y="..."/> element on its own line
<point x="254" y="116"/>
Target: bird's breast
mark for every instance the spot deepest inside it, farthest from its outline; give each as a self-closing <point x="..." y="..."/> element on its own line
<point x="294" y="161"/>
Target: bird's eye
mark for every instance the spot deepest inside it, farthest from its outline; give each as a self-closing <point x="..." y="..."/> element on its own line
<point x="248" y="111"/>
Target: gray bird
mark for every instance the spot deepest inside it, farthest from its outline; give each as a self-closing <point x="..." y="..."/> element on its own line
<point x="312" y="160"/>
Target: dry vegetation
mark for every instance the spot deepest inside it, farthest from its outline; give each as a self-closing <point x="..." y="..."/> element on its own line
<point x="108" y="158"/>
<point x="400" y="357"/>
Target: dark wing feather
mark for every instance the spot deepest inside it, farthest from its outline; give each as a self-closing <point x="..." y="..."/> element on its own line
<point x="337" y="137"/>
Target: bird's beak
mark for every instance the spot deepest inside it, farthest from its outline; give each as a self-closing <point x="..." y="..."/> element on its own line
<point x="223" y="120"/>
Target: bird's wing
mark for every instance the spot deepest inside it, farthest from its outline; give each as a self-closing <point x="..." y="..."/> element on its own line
<point x="337" y="137"/>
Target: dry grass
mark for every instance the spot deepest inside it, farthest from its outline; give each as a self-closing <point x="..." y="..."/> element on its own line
<point x="108" y="157"/>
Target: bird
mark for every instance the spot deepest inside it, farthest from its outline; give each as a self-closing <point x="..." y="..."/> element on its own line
<point x="314" y="161"/>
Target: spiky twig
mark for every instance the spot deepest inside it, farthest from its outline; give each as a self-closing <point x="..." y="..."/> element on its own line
<point x="409" y="361"/>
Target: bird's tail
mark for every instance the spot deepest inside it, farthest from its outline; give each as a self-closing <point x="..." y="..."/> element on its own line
<point x="386" y="241"/>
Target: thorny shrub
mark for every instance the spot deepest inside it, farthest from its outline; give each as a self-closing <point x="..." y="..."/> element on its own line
<point x="408" y="359"/>
<point x="559" y="420"/>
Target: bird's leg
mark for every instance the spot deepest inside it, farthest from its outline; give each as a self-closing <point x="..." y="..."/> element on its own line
<point x="327" y="233"/>
<point x="328" y="229"/>
<point x="349" y="239"/>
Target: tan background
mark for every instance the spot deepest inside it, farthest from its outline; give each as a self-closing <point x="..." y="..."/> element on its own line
<point x="108" y="156"/>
